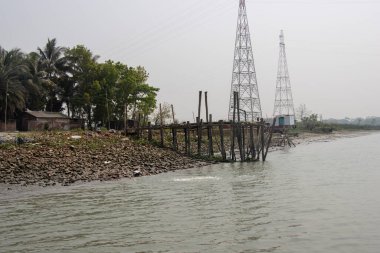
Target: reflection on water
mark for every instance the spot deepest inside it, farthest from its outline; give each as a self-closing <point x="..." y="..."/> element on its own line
<point x="323" y="197"/>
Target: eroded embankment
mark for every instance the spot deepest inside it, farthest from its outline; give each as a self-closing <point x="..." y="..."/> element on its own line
<point x="53" y="158"/>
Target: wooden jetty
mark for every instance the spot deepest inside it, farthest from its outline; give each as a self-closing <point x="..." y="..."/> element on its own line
<point x="234" y="140"/>
<point x="224" y="141"/>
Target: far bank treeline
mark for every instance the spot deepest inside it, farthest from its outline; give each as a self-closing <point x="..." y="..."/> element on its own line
<point x="59" y="79"/>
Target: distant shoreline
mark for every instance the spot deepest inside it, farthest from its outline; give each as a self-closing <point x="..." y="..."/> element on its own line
<point x="309" y="137"/>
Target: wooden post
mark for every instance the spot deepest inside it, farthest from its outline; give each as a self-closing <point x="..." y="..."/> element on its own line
<point x="173" y="114"/>
<point x="149" y="132"/>
<point x="262" y="138"/>
<point x="232" y="140"/>
<point x="174" y="133"/>
<point x="233" y="133"/>
<point x="269" y="140"/>
<point x="199" y="105"/>
<point x="252" y="143"/>
<point x="161" y="128"/>
<point x="206" y="106"/>
<point x="221" y="133"/>
<point x="239" y="129"/>
<point x="243" y="141"/>
<point x="199" y="132"/>
<point x="187" y="139"/>
<point x="209" y="130"/>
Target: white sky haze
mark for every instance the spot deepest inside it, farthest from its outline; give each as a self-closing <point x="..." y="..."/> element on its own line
<point x="332" y="46"/>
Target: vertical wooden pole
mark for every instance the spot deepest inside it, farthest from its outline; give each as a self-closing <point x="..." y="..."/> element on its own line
<point x="221" y="133"/>
<point x="262" y="138"/>
<point x="243" y="141"/>
<point x="270" y="139"/>
<point x="149" y="132"/>
<point x="252" y="142"/>
<point x="239" y="129"/>
<point x="209" y="130"/>
<point x="173" y="114"/>
<point x="199" y="132"/>
<point x="233" y="127"/>
<point x="161" y="128"/>
<point x="199" y="105"/>
<point x="206" y="106"/>
<point x="174" y="133"/>
<point x="188" y="143"/>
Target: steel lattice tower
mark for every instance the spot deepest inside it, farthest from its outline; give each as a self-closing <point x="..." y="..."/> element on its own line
<point x="283" y="104"/>
<point x="243" y="74"/>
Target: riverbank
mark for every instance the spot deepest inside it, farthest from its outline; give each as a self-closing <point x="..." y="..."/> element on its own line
<point x="50" y="158"/>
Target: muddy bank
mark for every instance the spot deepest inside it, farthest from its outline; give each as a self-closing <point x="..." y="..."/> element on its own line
<point x="64" y="158"/>
<point x="303" y="138"/>
<point x="307" y="137"/>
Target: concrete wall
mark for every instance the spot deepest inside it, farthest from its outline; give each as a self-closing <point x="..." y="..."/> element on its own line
<point x="48" y="124"/>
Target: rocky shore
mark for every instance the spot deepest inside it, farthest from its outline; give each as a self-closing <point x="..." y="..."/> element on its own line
<point x="64" y="158"/>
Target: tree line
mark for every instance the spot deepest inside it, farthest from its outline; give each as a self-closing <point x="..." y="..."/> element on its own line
<point x="57" y="79"/>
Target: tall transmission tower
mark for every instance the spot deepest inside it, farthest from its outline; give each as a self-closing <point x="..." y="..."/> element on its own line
<point x="283" y="104"/>
<point x="244" y="74"/>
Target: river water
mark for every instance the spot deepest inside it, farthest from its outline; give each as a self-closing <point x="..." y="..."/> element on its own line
<point x="321" y="197"/>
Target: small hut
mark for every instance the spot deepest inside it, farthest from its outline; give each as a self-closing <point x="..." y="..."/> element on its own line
<point x="285" y="121"/>
<point x="39" y="120"/>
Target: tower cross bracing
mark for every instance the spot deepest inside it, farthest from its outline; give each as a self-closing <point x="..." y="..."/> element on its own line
<point x="244" y="74"/>
<point x="283" y="104"/>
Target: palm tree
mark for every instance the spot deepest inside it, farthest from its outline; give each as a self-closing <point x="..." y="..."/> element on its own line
<point x="12" y="92"/>
<point x="34" y="83"/>
<point x="53" y="64"/>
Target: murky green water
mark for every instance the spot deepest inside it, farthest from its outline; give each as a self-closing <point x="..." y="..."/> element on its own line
<point x="322" y="197"/>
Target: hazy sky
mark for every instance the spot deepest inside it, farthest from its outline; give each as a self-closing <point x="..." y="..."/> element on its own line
<point x="333" y="46"/>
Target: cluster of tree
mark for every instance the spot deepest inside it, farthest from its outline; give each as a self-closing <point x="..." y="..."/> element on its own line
<point x="313" y="122"/>
<point x="368" y="121"/>
<point x="56" y="79"/>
